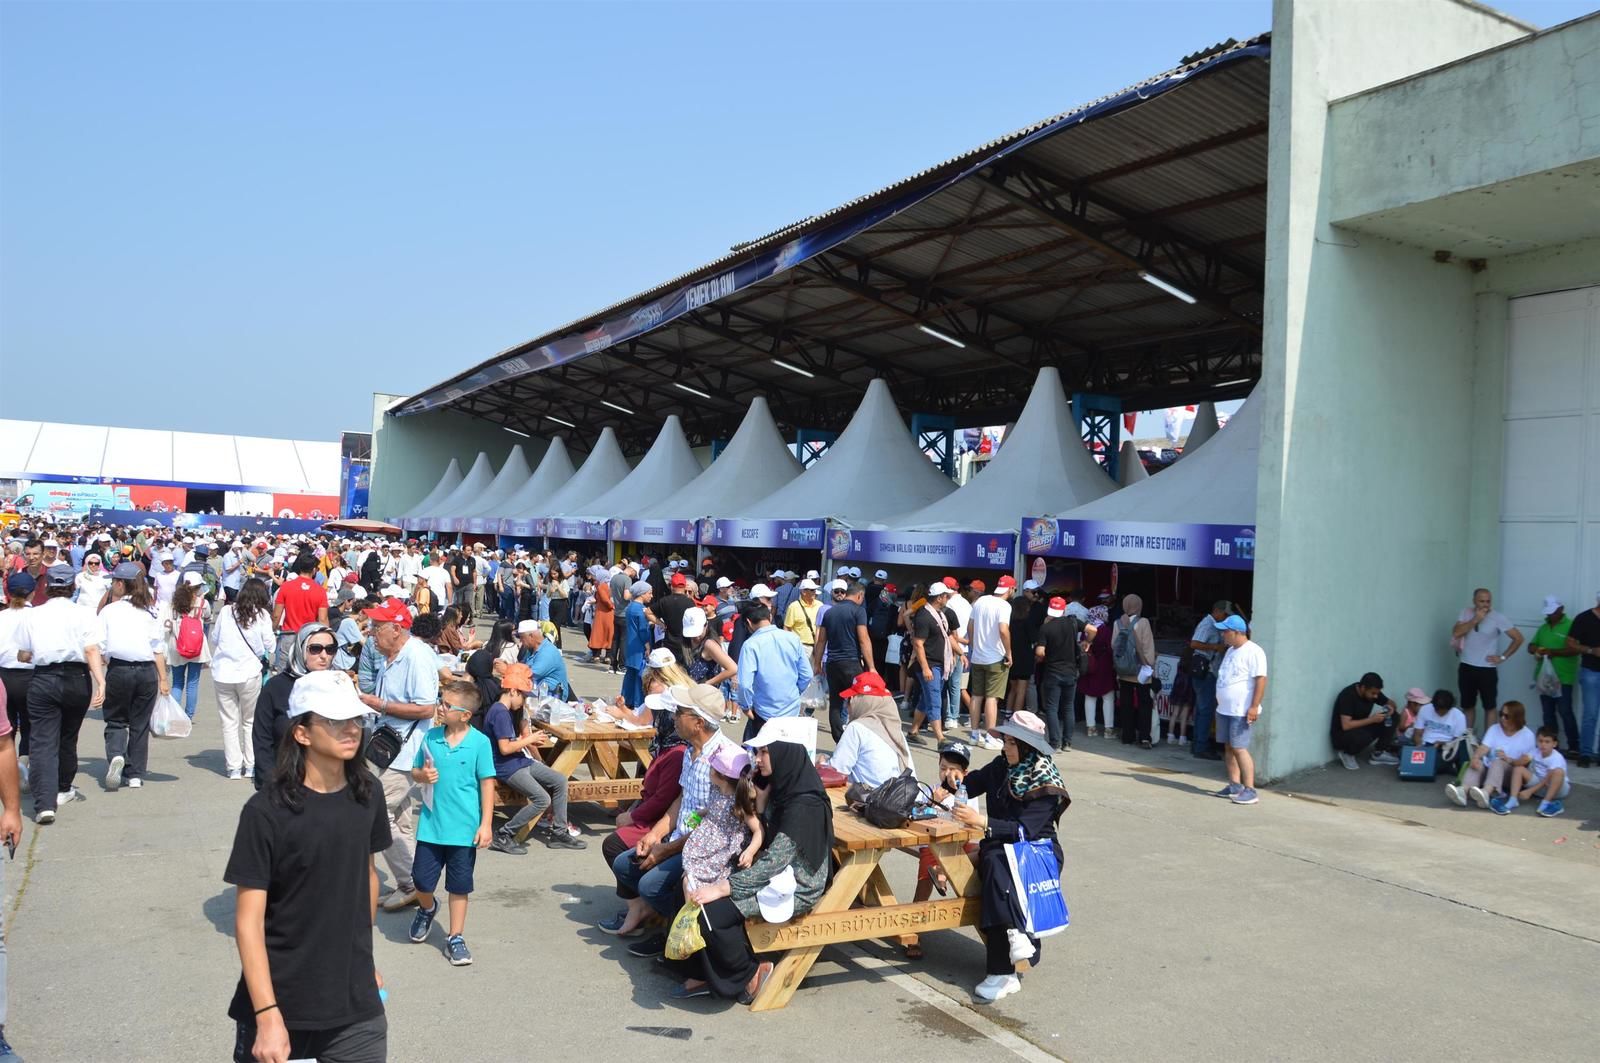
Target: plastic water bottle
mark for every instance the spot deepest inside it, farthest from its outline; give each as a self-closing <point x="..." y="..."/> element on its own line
<point x="961" y="794"/>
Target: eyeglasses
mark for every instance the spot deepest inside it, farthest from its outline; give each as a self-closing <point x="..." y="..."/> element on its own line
<point x="324" y="648"/>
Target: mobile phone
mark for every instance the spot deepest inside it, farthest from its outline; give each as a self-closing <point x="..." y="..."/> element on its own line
<point x="11" y="848"/>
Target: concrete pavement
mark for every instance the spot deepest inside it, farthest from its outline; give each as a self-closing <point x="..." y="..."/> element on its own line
<point x="1320" y="923"/>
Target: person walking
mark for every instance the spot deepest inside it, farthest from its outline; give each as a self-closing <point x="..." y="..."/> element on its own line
<point x="842" y="633"/>
<point x="1241" y="684"/>
<point x="773" y="670"/>
<point x="16" y="674"/>
<point x="314" y="647"/>
<point x="989" y="635"/>
<point x="188" y="600"/>
<point x="243" y="647"/>
<point x="1055" y="655"/>
<point x="136" y="672"/>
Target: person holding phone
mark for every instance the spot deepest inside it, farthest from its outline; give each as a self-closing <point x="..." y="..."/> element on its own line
<point x="1364" y="719"/>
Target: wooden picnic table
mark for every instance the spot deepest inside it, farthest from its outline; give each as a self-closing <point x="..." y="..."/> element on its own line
<point x="859" y="906"/>
<point x="605" y="749"/>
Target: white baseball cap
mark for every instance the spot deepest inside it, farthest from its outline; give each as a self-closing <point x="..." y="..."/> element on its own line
<point x="776" y="898"/>
<point x="808" y="584"/>
<point x="1551" y="604"/>
<point x="880" y="574"/>
<point x="527" y="627"/>
<point x="330" y="694"/>
<point x="723" y="582"/>
<point x="761" y="590"/>
<point x="937" y="590"/>
<point x="813" y="574"/>
<point x="694" y="623"/>
<point x="661" y="657"/>
<point x="838" y="585"/>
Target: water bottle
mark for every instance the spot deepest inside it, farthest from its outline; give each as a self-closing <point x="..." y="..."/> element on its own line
<point x="961" y="793"/>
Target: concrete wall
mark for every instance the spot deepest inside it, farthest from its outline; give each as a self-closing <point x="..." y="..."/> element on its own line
<point x="409" y="454"/>
<point x="1367" y="350"/>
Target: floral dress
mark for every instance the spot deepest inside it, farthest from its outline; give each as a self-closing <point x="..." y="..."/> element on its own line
<point x="712" y="847"/>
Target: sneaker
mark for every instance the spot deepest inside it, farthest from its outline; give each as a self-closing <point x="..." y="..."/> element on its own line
<point x="1382" y="757"/>
<point x="1455" y="794"/>
<point x="44" y="816"/>
<point x="114" y="773"/>
<point x="505" y="843"/>
<point x="916" y="739"/>
<point x="422" y="922"/>
<point x="1349" y="761"/>
<point x="1093" y="732"/>
<point x="1021" y="947"/>
<point x="1551" y="808"/>
<point x="573" y="830"/>
<point x="654" y="945"/>
<point x="1497" y="805"/>
<point x="7" y="1053"/>
<point x="456" y="949"/>
<point x="997" y="987"/>
<point x="1245" y="796"/>
<point x="560" y="839"/>
<point x="399" y="899"/>
<point x="1508" y="804"/>
<point x="250" y="773"/>
<point x="70" y="796"/>
<point x="134" y="783"/>
<point x="235" y="773"/>
<point x="1479" y="798"/>
<point x="1229" y="790"/>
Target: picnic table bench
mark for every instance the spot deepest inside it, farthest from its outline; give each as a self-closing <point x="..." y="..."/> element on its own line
<point x="604" y="749"/>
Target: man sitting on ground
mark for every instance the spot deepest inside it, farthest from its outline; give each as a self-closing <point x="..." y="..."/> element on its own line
<point x="1363" y="719"/>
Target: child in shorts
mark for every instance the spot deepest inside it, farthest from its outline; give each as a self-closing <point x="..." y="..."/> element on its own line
<point x="1545" y="773"/>
<point x="455" y="767"/>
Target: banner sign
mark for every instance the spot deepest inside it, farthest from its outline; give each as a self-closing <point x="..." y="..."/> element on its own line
<point x="64" y="499"/>
<point x="481" y="525"/>
<point x="220" y="521"/>
<point x="559" y="528"/>
<point x="653" y="531"/>
<point x="1143" y="542"/>
<point x="632" y="322"/>
<point x="943" y="549"/>
<point x="306" y="507"/>
<point x="357" y="482"/>
<point x="764" y="534"/>
<point x="523" y="528"/>
<point x="159" y="499"/>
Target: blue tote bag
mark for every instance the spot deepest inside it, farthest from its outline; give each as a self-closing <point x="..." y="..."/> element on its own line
<point x="1038" y="884"/>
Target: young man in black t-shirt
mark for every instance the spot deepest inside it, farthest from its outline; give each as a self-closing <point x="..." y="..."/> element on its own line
<point x="932" y="631"/>
<point x="844" y="636"/>
<point x="464" y="576"/>
<point x="1055" y="655"/>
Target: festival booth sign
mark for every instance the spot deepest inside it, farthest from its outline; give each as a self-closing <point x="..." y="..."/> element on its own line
<point x="1215" y="489"/>
<point x="132" y="518"/>
<point x="554" y="470"/>
<point x="472" y="485"/>
<point x="305" y="507"/>
<point x="451" y="479"/>
<point x="668" y="466"/>
<point x="454" y="511"/>
<point x="799" y="535"/>
<point x="65" y="499"/>
<point x="159" y="499"/>
<point x="603" y="469"/>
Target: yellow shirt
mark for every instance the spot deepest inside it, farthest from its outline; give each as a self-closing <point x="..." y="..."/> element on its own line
<point x="802" y="620"/>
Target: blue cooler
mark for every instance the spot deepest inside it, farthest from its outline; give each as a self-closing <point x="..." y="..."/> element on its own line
<point x="1420" y="763"/>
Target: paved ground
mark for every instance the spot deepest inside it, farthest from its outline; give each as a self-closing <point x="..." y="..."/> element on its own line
<point x="1346" y="916"/>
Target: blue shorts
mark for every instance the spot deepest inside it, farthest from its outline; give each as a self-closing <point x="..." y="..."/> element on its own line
<point x="456" y="861"/>
<point x="1234" y="731"/>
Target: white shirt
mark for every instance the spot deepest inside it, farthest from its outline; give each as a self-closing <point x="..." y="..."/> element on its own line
<point x="1513" y="747"/>
<point x="864" y="756"/>
<point x="1542" y="766"/>
<point x="132" y="634"/>
<point x="1236" y="678"/>
<point x="410" y="567"/>
<point x="963" y="610"/>
<point x="988" y="613"/>
<point x="59" y="631"/>
<point x="1477" y="646"/>
<point x="90" y="589"/>
<point x="236" y="657"/>
<point x="166" y="583"/>
<point x="10" y="621"/>
<point x="1437" y="729"/>
<point x="438" y="582"/>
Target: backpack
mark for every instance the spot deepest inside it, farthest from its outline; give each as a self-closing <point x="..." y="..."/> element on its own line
<point x="1124" y="649"/>
<point x="191" y="639"/>
<point x="888" y="806"/>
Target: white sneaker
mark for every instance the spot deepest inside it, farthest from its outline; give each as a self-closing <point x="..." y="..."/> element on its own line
<point x="1021" y="947"/>
<point x="997" y="987"/>
<point x="1455" y="794"/>
<point x="399" y="899"/>
<point x="1479" y="798"/>
<point x="134" y="784"/>
<point x="235" y="773"/>
<point x="1349" y="761"/>
<point x="114" y="773"/>
<point x="44" y="816"/>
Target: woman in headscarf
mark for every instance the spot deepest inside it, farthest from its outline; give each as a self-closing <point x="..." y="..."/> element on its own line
<point x="871" y="751"/>
<point x="660" y="788"/>
<point x="314" y="647"/>
<point x="372" y="575"/>
<point x="602" y="628"/>
<point x="797" y="840"/>
<point x="1026" y="798"/>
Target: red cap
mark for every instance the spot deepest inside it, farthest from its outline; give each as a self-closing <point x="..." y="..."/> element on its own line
<point x="979" y="586"/>
<point x="351" y="577"/>
<point x="1058" y="607"/>
<point x="679" y="579"/>
<point x="710" y="601"/>
<point x="950" y="581"/>
<point x="891" y="588"/>
<point x="1006" y="583"/>
<point x="393" y="609"/>
<point x="870" y="683"/>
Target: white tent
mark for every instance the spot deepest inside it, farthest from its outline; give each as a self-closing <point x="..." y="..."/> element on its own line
<point x="512" y="475"/>
<point x="666" y="467"/>
<point x="603" y="469"/>
<point x="1203" y="428"/>
<point x="554" y="470"/>
<point x="1130" y="467"/>
<point x="1041" y="460"/>
<point x="755" y="462"/>
<point x="1215" y="486"/>
<point x="872" y="471"/>
<point x="441" y="490"/>
<point x="472" y="485"/>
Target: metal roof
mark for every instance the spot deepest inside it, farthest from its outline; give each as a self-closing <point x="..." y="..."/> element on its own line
<point x="1027" y="250"/>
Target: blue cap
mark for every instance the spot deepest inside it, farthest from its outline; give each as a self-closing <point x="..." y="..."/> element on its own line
<point x="128" y="570"/>
<point x="1234" y="623"/>
<point x="20" y="583"/>
<point x="59" y="575"/>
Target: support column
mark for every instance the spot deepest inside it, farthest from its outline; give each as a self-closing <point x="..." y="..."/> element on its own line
<point x="936" y="432"/>
<point x="1100" y="419"/>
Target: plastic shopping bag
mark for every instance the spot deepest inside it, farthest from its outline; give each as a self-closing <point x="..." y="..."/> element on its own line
<point x="814" y="698"/>
<point x="1547" y="682"/>
<point x="891" y="651"/>
<point x="684" y="938"/>
<point x="168" y="719"/>
<point x="1037" y="880"/>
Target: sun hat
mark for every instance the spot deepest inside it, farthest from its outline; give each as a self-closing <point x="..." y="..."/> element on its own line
<point x="694" y="623"/>
<point x="729" y="760"/>
<point x="1418" y="695"/>
<point x="330" y="694"/>
<point x="660" y="657"/>
<point x="869" y="683"/>
<point x="704" y="701"/>
<point x="1025" y="727"/>
<point x="517" y="677"/>
<point x="1057" y="607"/>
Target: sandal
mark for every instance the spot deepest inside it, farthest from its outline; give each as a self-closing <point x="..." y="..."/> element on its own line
<point x="763" y="972"/>
<point x="913" y="951"/>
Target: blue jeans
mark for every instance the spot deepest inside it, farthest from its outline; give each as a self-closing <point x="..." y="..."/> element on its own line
<point x="1056" y="695"/>
<point x="186" y="685"/>
<point x="952" y="694"/>
<point x="1589" y="683"/>
<point x="544" y="608"/>
<point x="1558" y="714"/>
<point x="931" y="701"/>
<point x="1205" y="710"/>
<point x="661" y="886"/>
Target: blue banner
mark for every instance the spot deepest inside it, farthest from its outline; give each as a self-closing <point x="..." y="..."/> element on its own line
<point x="764" y="534"/>
<point x="560" y="528"/>
<point x="653" y="531"/>
<point x="480" y="525"/>
<point x="357" y="483"/>
<point x="203" y="521"/>
<point x="939" y="549"/>
<point x="1230" y="546"/>
<point x="524" y="528"/>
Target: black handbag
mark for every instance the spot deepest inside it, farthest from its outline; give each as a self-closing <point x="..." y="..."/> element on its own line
<point x="385" y="745"/>
<point x="887" y="806"/>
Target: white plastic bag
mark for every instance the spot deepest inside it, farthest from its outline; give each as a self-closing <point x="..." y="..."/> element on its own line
<point x="1547" y="682"/>
<point x="891" y="651"/>
<point x="168" y="719"/>
<point x="814" y="698"/>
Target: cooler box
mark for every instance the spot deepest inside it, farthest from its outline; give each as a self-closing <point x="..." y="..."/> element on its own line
<point x="1419" y="762"/>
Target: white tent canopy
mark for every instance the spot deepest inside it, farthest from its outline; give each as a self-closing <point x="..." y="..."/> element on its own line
<point x="512" y="475"/>
<point x="473" y="485"/>
<point x="872" y="471"/>
<point x="554" y="470"/>
<point x="1215" y="486"/>
<point x="756" y="461"/>
<point x="1204" y="427"/>
<point x="666" y="467"/>
<point x="1130" y="467"/>
<point x="1041" y="459"/>
<point x="604" y="468"/>
<point x="441" y="490"/>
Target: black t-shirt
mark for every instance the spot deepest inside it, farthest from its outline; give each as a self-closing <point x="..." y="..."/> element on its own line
<point x="926" y="629"/>
<point x="1585" y="631"/>
<point x="314" y="865"/>
<point x="461" y="570"/>
<point x="1351" y="704"/>
<point x="669" y="611"/>
<point x="839" y="629"/>
<point x="1059" y="637"/>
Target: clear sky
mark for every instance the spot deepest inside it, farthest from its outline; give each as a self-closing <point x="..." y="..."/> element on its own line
<point x="275" y="209"/>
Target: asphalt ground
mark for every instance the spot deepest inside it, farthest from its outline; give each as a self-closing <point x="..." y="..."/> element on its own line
<point x="1347" y="916"/>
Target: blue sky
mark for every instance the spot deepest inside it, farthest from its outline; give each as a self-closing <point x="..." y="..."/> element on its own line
<point x="253" y="201"/>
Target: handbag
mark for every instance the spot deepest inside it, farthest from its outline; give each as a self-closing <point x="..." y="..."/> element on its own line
<point x="386" y="743"/>
<point x="888" y="806"/>
<point x="1036" y="879"/>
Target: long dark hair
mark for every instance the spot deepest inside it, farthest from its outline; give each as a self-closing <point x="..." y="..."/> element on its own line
<point x="504" y="632"/>
<point x="288" y="785"/>
<point x="138" y="595"/>
<point x="253" y="601"/>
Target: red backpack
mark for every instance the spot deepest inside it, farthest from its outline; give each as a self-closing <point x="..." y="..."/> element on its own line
<point x="191" y="640"/>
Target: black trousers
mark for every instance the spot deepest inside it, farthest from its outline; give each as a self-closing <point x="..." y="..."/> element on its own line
<point x="1475" y="681"/>
<point x="1001" y="910"/>
<point x="558" y="616"/>
<point x="619" y="634"/>
<point x="131" y="691"/>
<point x="57" y="703"/>
<point x="17" y="681"/>
<point x="841" y="676"/>
<point x="1134" y="707"/>
<point x="1359" y="739"/>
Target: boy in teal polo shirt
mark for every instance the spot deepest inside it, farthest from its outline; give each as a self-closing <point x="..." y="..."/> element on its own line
<point x="456" y="770"/>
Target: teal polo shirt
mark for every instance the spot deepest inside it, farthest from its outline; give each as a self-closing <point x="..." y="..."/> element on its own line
<point x="457" y="809"/>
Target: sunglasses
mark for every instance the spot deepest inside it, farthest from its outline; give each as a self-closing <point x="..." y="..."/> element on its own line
<point x="324" y="648"/>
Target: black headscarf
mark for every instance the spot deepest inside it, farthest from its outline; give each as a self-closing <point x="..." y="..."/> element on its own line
<point x="798" y="805"/>
<point x="372" y="574"/>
